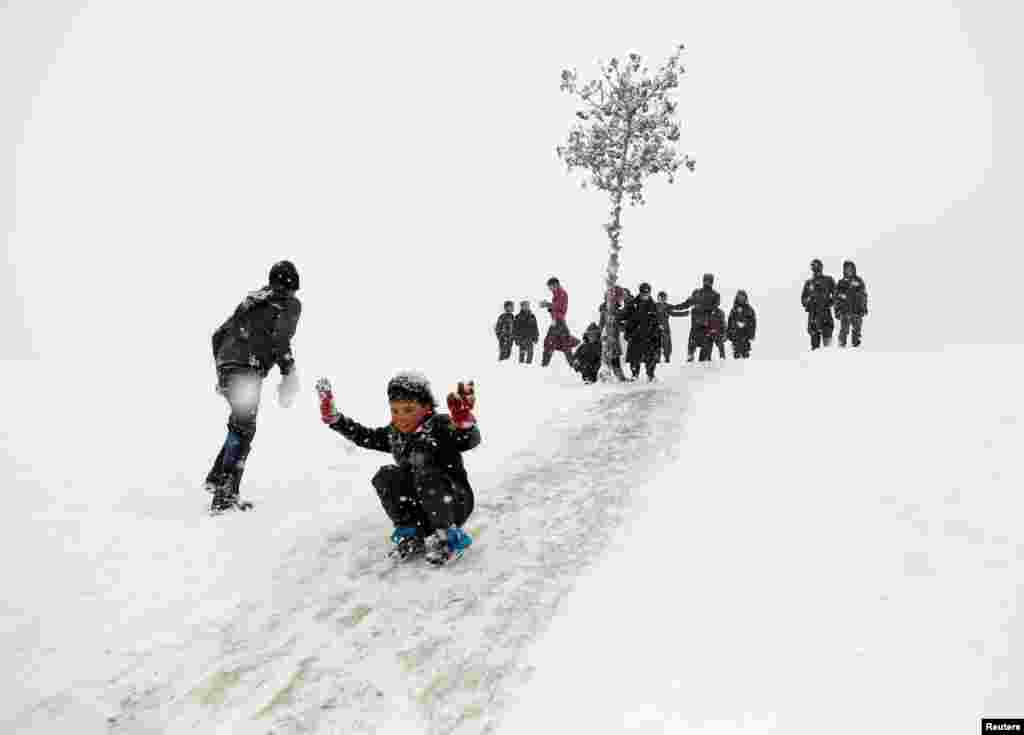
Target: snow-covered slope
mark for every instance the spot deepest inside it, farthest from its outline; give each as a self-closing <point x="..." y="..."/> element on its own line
<point x="837" y="549"/>
<point x="747" y="546"/>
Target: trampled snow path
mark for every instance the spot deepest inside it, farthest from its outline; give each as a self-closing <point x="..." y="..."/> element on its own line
<point x="347" y="643"/>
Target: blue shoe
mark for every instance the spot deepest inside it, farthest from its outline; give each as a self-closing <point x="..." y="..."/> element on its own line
<point x="458" y="540"/>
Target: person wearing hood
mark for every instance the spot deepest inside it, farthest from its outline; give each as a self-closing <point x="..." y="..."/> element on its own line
<point x="426" y="492"/>
<point x="246" y="347"/>
<point x="642" y="333"/>
<point x="525" y="332"/>
<point x="851" y="304"/>
<point x="587" y="360"/>
<point x="702" y="304"/>
<point x="817" y="298"/>
<point x="742" y="326"/>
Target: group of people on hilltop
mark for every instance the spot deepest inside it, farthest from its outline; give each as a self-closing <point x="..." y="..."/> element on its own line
<point x="645" y="324"/>
<point x="641" y="321"/>
<point x="520" y="329"/>
<point x="822" y="297"/>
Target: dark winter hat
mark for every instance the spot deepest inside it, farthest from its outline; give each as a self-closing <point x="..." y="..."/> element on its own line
<point x="850" y="264"/>
<point x="816" y="265"/>
<point x="283" y="274"/>
<point x="709" y="278"/>
<point x="509" y="303"/>
<point x="553" y="281"/>
<point x="411" y="386"/>
<point x="644" y="287"/>
<point x="742" y="293"/>
<point x="592" y="328"/>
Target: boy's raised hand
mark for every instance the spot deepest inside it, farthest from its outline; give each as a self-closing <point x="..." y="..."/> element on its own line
<point x="329" y="414"/>
<point x="461" y="404"/>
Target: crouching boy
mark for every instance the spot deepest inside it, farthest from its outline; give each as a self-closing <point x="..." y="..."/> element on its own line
<point x="426" y="492"/>
<point x="587" y="360"/>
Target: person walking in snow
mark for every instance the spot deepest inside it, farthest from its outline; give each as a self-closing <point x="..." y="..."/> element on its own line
<point x="426" y="491"/>
<point x="665" y="311"/>
<point x="643" y="335"/>
<point x="742" y="326"/>
<point x="503" y="331"/>
<point x="851" y="303"/>
<point x="255" y="338"/>
<point x="525" y="332"/>
<point x="558" y="339"/>
<point x="702" y="303"/>
<point x="587" y="360"/>
<point x="817" y="299"/>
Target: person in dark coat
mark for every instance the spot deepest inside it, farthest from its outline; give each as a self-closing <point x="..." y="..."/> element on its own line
<point x="525" y="332"/>
<point x="817" y="299"/>
<point x="702" y="302"/>
<point x="503" y="331"/>
<point x="742" y="326"/>
<point x="587" y="360"/>
<point x="426" y="492"/>
<point x="643" y="335"/>
<point x="851" y="303"/>
<point x="665" y="312"/>
<point x="254" y="339"/>
<point x="714" y="335"/>
<point x="558" y="339"/>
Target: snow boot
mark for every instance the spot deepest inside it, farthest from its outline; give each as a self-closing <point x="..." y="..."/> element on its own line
<point x="408" y="543"/>
<point x="443" y="546"/>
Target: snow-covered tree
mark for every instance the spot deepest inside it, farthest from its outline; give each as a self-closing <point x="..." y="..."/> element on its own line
<point x="626" y="131"/>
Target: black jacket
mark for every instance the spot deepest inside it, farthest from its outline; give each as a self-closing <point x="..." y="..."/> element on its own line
<point x="437" y="445"/>
<point x="259" y="333"/>
<point x="641" y="321"/>
<point x="851" y="296"/>
<point x="701" y="303"/>
<point x="587" y="357"/>
<point x="503" y="327"/>
<point x="524" y="327"/>
<point x="818" y="294"/>
<point x="742" y="322"/>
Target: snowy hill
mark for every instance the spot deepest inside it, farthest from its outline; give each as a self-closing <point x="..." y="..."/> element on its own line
<point x="743" y="546"/>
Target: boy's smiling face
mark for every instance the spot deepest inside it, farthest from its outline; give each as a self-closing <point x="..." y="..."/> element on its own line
<point x="407" y="415"/>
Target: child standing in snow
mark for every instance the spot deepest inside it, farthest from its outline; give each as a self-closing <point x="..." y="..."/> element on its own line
<point x="587" y="360"/>
<point x="503" y="331"/>
<point x="426" y="492"/>
<point x="525" y="332"/>
<point x="742" y="326"/>
<point x="714" y="335"/>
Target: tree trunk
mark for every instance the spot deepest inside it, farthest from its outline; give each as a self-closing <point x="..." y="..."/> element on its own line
<point x="611" y="339"/>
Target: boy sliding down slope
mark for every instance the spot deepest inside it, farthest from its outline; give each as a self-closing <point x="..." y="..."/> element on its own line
<point x="426" y="492"/>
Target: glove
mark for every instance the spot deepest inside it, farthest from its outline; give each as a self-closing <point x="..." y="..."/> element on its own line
<point x="329" y="414"/>
<point x="461" y="404"/>
<point x="288" y="389"/>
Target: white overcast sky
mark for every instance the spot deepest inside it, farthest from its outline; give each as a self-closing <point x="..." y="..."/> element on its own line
<point x="156" y="158"/>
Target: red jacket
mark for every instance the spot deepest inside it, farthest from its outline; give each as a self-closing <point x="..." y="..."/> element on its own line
<point x="559" y="304"/>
